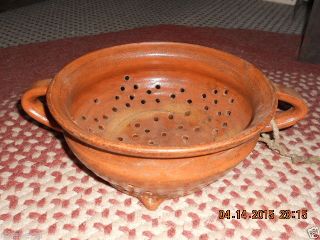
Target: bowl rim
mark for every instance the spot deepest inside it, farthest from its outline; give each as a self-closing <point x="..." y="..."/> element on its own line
<point x="95" y="141"/>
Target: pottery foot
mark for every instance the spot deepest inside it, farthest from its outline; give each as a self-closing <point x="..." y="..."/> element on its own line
<point x="151" y="202"/>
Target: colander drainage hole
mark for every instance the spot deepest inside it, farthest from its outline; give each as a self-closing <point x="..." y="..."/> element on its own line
<point x="151" y="142"/>
<point x="131" y="97"/>
<point x="206" y="108"/>
<point x="137" y="125"/>
<point x="128" y="105"/>
<point x="83" y="118"/>
<point x="117" y="97"/>
<point x="228" y="113"/>
<point x="215" y="91"/>
<point x="96" y="119"/>
<point x="135" y="86"/>
<point x="226" y="92"/>
<point x="96" y="100"/>
<point x="185" y="138"/>
<point x="225" y="125"/>
<point x="204" y="95"/>
<point x="149" y="92"/>
<point x="135" y="135"/>
<point x="187" y="113"/>
<point x="127" y="78"/>
<point x="105" y="117"/>
<point x="189" y="101"/>
<point x="158" y="86"/>
<point x="120" y="139"/>
<point x="147" y="130"/>
<point x="180" y="127"/>
<point x="215" y="101"/>
<point x="156" y="119"/>
<point x="231" y="100"/>
<point x="197" y="129"/>
<point x="143" y="101"/>
<point x="157" y="100"/>
<point x="114" y="109"/>
<point x="122" y="88"/>
<point x="170" y="116"/>
<point x="215" y="131"/>
<point x="182" y="90"/>
<point x="219" y="113"/>
<point x="173" y="96"/>
<point x="101" y="127"/>
<point x="163" y="134"/>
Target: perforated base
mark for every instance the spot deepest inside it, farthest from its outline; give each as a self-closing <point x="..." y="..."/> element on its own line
<point x="55" y="19"/>
<point x="170" y="122"/>
<point x="166" y="113"/>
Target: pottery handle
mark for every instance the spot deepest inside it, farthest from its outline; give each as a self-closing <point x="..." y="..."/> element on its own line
<point x="288" y="117"/>
<point x="34" y="107"/>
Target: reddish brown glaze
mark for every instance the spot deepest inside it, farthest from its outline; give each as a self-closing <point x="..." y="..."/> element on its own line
<point x="161" y="120"/>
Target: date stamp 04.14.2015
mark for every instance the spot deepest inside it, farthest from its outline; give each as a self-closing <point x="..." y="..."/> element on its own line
<point x="264" y="214"/>
<point x="313" y="232"/>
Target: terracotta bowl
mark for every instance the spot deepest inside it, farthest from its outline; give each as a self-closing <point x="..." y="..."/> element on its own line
<point x="160" y="120"/>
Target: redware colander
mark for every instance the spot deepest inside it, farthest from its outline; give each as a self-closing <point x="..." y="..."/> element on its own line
<point x="160" y="120"/>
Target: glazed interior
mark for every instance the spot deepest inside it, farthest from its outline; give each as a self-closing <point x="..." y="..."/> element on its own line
<point x="162" y="94"/>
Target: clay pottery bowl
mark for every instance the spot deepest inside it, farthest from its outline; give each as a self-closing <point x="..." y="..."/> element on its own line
<point x="160" y="120"/>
